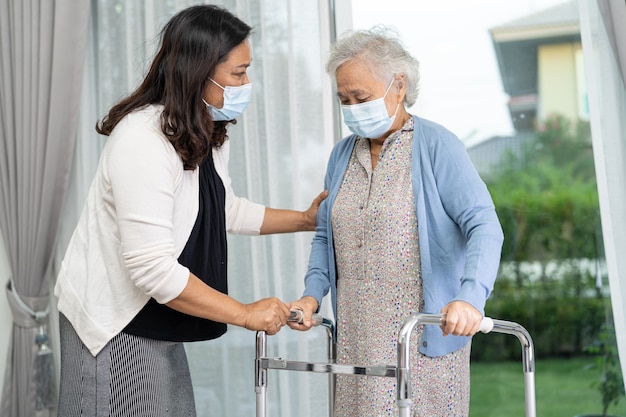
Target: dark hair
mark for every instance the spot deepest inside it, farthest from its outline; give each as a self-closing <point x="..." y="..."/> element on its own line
<point x="193" y="43"/>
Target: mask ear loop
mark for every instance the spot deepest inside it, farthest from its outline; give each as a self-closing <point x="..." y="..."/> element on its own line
<point x="215" y="82"/>
<point x="396" y="112"/>
<point x="386" y="91"/>
<point x="389" y="87"/>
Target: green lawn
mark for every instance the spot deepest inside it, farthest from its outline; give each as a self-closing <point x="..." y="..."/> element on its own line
<point x="562" y="389"/>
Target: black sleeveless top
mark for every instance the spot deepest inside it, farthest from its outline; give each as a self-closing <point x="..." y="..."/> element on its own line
<point x="205" y="254"/>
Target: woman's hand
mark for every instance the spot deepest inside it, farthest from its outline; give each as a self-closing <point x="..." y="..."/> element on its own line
<point x="308" y="305"/>
<point x="288" y="221"/>
<point x="460" y="319"/>
<point x="267" y="314"/>
<point x="310" y="215"/>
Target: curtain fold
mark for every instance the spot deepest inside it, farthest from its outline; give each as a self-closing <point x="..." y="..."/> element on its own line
<point x="614" y="17"/>
<point x="42" y="47"/>
<point x="607" y="110"/>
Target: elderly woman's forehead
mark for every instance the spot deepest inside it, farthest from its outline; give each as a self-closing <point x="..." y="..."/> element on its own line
<point x="355" y="68"/>
<point x="353" y="81"/>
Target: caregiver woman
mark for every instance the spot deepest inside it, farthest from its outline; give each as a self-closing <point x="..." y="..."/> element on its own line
<point x="145" y="269"/>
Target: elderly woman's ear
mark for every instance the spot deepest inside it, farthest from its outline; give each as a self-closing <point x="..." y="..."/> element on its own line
<point x="400" y="81"/>
<point x="401" y="85"/>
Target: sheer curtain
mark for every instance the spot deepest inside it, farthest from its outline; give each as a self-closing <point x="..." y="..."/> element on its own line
<point x="604" y="50"/>
<point x="41" y="56"/>
<point x="278" y="158"/>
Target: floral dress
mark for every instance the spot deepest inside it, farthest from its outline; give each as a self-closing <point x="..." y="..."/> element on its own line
<point x="379" y="284"/>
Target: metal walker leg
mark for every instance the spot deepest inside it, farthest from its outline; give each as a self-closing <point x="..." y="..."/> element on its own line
<point x="262" y="364"/>
<point x="403" y="383"/>
<point x="402" y="372"/>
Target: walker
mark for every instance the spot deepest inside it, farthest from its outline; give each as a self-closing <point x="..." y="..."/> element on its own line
<point x="402" y="371"/>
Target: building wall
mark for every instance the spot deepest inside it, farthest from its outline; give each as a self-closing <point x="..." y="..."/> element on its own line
<point x="558" y="80"/>
<point x="488" y="155"/>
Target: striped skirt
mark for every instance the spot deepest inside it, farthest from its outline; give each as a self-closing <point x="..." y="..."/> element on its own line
<point x="131" y="377"/>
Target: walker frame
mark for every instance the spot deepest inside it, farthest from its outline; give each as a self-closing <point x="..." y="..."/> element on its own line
<point x="402" y="371"/>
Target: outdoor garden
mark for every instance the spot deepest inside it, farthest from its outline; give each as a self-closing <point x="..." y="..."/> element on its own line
<point x="552" y="281"/>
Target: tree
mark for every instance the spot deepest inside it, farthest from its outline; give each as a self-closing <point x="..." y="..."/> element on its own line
<point x="546" y="196"/>
<point x="547" y="202"/>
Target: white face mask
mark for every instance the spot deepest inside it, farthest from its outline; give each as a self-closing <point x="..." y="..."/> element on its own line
<point x="236" y="99"/>
<point x="369" y="119"/>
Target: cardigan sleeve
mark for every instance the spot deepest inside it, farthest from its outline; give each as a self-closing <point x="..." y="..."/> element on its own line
<point x="467" y="202"/>
<point x="317" y="278"/>
<point x="321" y="273"/>
<point x="141" y="167"/>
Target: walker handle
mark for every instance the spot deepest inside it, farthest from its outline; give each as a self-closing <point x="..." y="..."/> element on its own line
<point x="297" y="316"/>
<point x="486" y="325"/>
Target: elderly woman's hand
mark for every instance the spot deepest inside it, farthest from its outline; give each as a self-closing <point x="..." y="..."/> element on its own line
<point x="308" y="305"/>
<point x="460" y="319"/>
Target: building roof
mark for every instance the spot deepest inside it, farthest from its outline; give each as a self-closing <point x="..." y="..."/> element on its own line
<point x="516" y="44"/>
<point x="560" y="20"/>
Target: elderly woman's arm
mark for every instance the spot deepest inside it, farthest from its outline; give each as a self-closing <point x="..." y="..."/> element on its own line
<point x="317" y="280"/>
<point x="467" y="200"/>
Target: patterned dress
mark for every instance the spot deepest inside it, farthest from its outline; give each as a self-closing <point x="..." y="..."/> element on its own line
<point x="379" y="284"/>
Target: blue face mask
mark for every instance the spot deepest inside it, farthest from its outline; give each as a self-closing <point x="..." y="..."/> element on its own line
<point x="236" y="99"/>
<point x="369" y="119"/>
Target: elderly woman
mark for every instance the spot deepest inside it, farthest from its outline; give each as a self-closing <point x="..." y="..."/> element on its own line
<point x="408" y="226"/>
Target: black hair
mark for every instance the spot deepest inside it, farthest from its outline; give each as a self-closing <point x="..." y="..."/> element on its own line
<point x="193" y="43"/>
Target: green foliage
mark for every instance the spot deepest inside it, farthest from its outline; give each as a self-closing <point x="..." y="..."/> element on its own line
<point x="547" y="202"/>
<point x="546" y="197"/>
<point x="611" y="382"/>
<point x="560" y="322"/>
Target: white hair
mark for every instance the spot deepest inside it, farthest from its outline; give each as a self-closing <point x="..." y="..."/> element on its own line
<point x="382" y="52"/>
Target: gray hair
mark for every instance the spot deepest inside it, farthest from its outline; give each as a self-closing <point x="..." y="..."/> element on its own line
<point x="383" y="53"/>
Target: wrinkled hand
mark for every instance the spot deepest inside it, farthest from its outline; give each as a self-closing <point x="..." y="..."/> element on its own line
<point x="461" y="319"/>
<point x="310" y="214"/>
<point x="267" y="314"/>
<point x="308" y="305"/>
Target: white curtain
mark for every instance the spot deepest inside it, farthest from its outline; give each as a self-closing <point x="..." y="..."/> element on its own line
<point x="614" y="18"/>
<point x="278" y="157"/>
<point x="604" y="51"/>
<point x="41" y="56"/>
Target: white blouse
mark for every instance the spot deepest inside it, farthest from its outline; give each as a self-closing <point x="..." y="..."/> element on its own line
<point x="139" y="213"/>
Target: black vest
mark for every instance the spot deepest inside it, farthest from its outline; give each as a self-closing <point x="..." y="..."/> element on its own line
<point x="205" y="254"/>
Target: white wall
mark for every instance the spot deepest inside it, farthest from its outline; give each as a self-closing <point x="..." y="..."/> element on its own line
<point x="343" y="16"/>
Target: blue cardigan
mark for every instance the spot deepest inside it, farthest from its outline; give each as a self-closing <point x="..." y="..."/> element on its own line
<point x="459" y="232"/>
